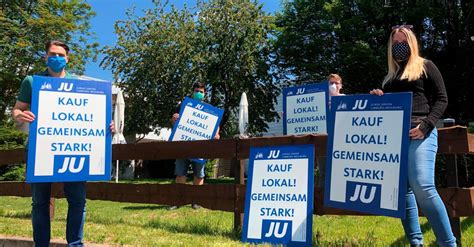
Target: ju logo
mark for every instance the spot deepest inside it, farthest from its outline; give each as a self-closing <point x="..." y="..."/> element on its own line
<point x="363" y="194"/>
<point x="276" y="230"/>
<point x="199" y="106"/>
<point x="66" y="165"/>
<point x="65" y="86"/>
<point x="273" y="154"/>
<point x="300" y="91"/>
<point x="360" y="104"/>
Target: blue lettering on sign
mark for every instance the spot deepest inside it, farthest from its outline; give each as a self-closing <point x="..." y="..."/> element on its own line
<point x="279" y="167"/>
<point x="305" y="109"/>
<point x="364" y="195"/>
<point x="71" y="147"/>
<point x="366" y="139"/>
<point x="276" y="230"/>
<point x="308" y="99"/>
<point x="367" y="121"/>
<point x="67" y="165"/>
<point x="363" y="173"/>
<point x="279" y="182"/>
<point x="72" y="101"/>
<point x="306" y="129"/>
<point x="71" y="116"/>
<point x="200" y="115"/>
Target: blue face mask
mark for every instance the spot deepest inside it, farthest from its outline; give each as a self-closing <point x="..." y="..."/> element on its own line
<point x="56" y="63"/>
<point x="198" y="96"/>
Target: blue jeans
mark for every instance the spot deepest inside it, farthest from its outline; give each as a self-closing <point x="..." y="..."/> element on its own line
<point x="182" y="165"/>
<point x="75" y="193"/>
<point x="421" y="166"/>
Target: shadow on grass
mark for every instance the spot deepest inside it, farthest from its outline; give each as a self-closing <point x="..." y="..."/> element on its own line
<point x="403" y="241"/>
<point x="150" y="207"/>
<point x="465" y="225"/>
<point x="17" y="214"/>
<point x="197" y="228"/>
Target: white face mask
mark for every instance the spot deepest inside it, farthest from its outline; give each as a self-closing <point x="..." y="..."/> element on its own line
<point x="333" y="88"/>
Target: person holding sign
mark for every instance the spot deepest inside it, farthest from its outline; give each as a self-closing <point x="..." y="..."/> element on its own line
<point x="408" y="72"/>
<point x="335" y="85"/>
<point x="182" y="165"/>
<point x="56" y="59"/>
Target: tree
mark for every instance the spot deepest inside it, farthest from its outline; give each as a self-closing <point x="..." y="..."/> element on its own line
<point x="350" y="37"/>
<point x="26" y="26"/>
<point x="224" y="44"/>
<point x="318" y="37"/>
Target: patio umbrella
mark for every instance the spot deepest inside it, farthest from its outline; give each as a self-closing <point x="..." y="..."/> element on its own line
<point x="243" y="116"/>
<point x="119" y="118"/>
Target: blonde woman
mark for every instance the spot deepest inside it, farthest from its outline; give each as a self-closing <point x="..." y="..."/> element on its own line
<point x="408" y="72"/>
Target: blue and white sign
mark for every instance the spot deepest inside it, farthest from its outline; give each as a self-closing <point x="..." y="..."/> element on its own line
<point x="197" y="121"/>
<point x="367" y="155"/>
<point x="70" y="139"/>
<point x="279" y="199"/>
<point x="305" y="109"/>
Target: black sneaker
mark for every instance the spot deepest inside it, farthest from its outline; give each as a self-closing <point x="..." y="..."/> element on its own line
<point x="196" y="206"/>
<point x="173" y="207"/>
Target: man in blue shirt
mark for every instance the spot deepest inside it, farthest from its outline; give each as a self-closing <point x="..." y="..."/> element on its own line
<point x="56" y="59"/>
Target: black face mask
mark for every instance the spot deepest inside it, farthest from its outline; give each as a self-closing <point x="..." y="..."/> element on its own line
<point x="401" y="51"/>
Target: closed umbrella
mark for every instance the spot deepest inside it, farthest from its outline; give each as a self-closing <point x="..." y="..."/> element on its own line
<point x="119" y="118"/>
<point x="243" y="116"/>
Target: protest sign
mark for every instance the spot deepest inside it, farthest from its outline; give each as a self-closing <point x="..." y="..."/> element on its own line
<point x="197" y="121"/>
<point x="70" y="139"/>
<point x="279" y="199"/>
<point x="368" y="153"/>
<point x="305" y="109"/>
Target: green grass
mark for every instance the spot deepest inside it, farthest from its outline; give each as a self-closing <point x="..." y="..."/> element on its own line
<point x="153" y="225"/>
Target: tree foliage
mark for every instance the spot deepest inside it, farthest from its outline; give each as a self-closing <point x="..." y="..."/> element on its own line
<point x="349" y="37"/>
<point x="26" y="25"/>
<point x="10" y="137"/>
<point x="224" y="44"/>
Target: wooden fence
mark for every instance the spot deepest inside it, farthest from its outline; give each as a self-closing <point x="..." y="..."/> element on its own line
<point x="453" y="141"/>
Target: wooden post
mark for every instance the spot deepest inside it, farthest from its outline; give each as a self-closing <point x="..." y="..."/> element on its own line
<point x="239" y="171"/>
<point x="452" y="181"/>
<point x="51" y="208"/>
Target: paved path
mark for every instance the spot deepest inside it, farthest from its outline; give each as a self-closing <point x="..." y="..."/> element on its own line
<point x="12" y="241"/>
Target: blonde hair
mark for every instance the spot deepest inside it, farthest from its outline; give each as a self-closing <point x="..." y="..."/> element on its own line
<point x="335" y="76"/>
<point x="415" y="66"/>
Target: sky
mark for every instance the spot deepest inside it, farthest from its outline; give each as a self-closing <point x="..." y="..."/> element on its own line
<point x="110" y="11"/>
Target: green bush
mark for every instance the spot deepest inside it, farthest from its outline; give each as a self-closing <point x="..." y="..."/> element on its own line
<point x="11" y="138"/>
<point x="13" y="173"/>
<point x="470" y="128"/>
<point x="209" y="168"/>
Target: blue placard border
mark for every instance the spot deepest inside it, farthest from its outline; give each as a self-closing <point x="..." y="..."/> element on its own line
<point x="310" y="88"/>
<point x="307" y="149"/>
<point x="404" y="100"/>
<point x="106" y="88"/>
<point x="207" y="109"/>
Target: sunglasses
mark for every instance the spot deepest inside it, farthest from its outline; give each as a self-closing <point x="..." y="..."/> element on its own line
<point x="410" y="27"/>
